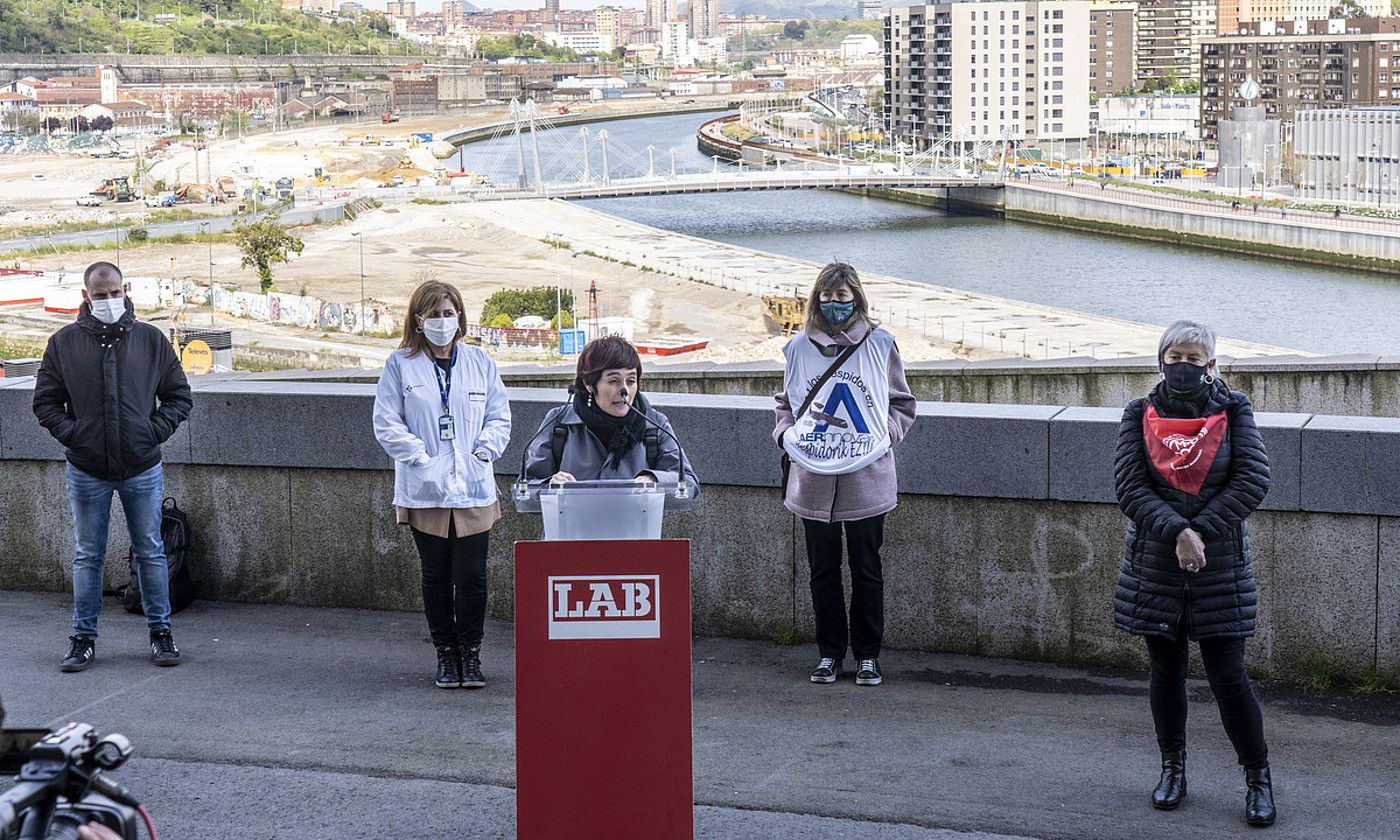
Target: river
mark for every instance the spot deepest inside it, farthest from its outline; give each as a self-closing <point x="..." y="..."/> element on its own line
<point x="1285" y="304"/>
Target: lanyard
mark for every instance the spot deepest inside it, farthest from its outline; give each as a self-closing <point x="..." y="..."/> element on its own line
<point x="444" y="381"/>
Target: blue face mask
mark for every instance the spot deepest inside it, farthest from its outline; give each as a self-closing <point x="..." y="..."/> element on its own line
<point x="837" y="313"/>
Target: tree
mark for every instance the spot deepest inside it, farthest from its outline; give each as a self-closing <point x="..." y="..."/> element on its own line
<point x="1347" y="10"/>
<point x="264" y="242"/>
<point x="102" y="123"/>
<point x="794" y="30"/>
<point x="515" y="303"/>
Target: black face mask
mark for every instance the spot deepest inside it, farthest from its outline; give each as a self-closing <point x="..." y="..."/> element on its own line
<point x="1185" y="380"/>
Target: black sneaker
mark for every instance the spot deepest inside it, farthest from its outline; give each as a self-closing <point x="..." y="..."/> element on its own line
<point x="826" y="670"/>
<point x="869" y="672"/>
<point x="449" y="666"/>
<point x="471" y="669"/>
<point x="163" y="650"/>
<point x="80" y="655"/>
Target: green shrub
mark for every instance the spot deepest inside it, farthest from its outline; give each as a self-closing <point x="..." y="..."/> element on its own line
<point x="516" y="303"/>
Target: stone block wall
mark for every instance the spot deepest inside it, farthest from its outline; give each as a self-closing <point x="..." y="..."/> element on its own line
<point x="1006" y="541"/>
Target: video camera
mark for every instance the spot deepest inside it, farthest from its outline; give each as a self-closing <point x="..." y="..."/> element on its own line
<point x="61" y="787"/>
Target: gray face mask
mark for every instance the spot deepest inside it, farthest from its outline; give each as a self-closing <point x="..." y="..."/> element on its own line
<point x="108" y="311"/>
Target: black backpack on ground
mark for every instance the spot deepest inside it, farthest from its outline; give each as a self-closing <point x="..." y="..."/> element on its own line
<point x="175" y="534"/>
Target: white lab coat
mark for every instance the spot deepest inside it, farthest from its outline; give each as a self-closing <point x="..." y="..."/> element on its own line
<point x="430" y="472"/>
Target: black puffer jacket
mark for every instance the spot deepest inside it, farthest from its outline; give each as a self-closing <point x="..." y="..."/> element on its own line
<point x="1153" y="590"/>
<point x="97" y="390"/>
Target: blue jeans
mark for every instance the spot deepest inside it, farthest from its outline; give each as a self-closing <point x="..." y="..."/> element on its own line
<point x="91" y="500"/>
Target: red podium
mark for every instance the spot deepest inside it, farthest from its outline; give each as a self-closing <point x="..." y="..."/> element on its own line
<point x="603" y="696"/>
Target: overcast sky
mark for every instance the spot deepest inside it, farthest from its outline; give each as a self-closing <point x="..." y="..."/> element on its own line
<point x="436" y="5"/>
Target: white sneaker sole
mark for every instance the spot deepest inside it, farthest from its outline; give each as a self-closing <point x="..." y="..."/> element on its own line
<point x="867" y="681"/>
<point x="823" y="680"/>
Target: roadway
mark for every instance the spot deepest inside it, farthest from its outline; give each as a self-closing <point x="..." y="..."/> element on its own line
<point x="188" y="227"/>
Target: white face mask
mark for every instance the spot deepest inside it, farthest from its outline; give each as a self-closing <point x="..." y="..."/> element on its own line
<point x="109" y="311"/>
<point x="440" y="331"/>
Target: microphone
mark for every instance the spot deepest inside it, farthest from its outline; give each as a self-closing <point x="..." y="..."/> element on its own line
<point x="632" y="407"/>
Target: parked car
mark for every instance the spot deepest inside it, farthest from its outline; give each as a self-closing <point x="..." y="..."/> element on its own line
<point x="37" y="176"/>
<point x="90" y="201"/>
<point x="167" y="200"/>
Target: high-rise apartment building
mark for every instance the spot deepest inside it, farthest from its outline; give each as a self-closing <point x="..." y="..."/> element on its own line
<point x="401" y="8"/>
<point x="1300" y="65"/>
<point x="1233" y="13"/>
<point x="660" y="12"/>
<point x="1112" y="47"/>
<point x="551" y="7"/>
<point x="704" y="18"/>
<point x="1169" y="37"/>
<point x="607" y="22"/>
<point x="869" y="9"/>
<point x="675" y="44"/>
<point x="978" y="70"/>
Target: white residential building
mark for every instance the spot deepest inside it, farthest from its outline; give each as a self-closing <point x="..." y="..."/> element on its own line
<point x="710" y="50"/>
<point x="870" y="9"/>
<point x="986" y="69"/>
<point x="582" y="42"/>
<point x="675" y="44"/>
<point x="857" y="47"/>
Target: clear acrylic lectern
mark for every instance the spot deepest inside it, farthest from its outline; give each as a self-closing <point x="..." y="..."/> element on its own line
<point x="601" y="510"/>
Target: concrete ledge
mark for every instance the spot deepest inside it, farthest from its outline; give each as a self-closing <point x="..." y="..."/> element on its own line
<point x="1006" y="541"/>
<point x="1350" y="465"/>
<point x="965" y="449"/>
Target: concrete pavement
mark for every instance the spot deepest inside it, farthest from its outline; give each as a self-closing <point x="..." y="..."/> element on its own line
<point x="288" y="722"/>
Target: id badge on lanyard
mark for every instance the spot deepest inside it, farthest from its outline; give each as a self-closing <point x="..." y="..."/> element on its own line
<point x="447" y="424"/>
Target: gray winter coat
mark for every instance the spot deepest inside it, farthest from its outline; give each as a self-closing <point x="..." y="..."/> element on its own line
<point x="584" y="454"/>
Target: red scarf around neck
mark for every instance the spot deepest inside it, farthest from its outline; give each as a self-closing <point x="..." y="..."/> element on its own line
<point x="1182" y="449"/>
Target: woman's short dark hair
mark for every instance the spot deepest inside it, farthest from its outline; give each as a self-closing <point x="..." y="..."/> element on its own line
<point x="832" y="277"/>
<point x="611" y="352"/>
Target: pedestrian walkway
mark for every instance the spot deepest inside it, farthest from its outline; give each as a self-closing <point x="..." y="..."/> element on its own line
<point x="288" y="722"/>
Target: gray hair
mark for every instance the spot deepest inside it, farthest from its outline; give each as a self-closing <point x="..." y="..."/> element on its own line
<point x="1187" y="332"/>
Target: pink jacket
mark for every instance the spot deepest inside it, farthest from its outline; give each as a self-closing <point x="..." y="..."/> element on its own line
<point x="867" y="492"/>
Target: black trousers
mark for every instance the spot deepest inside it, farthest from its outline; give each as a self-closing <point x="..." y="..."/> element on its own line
<point x="454" y="586"/>
<point x="1234" y="694"/>
<point x="867" y="618"/>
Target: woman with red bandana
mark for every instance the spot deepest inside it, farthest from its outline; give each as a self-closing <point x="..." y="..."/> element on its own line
<point x="1189" y="470"/>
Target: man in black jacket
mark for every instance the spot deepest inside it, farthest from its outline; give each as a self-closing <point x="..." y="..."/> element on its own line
<point x="111" y="390"/>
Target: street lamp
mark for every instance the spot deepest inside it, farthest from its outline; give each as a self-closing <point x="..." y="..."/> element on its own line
<point x="357" y="235"/>
<point x="1376" y="162"/>
<point x="208" y="229"/>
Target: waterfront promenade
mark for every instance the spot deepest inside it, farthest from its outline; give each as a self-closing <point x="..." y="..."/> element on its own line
<point x="910" y="309"/>
<point x="322" y="724"/>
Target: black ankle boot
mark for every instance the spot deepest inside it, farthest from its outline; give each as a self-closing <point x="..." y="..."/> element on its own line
<point x="449" y="666"/>
<point x="1259" y="797"/>
<point x="1172" y="788"/>
<point x="471" y="668"/>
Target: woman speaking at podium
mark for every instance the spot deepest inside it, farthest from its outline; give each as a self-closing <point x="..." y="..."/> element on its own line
<point x="442" y="414"/>
<point x="844" y="404"/>
<point x="607" y="430"/>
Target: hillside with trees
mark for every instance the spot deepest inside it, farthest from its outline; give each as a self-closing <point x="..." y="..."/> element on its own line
<point x="240" y="27"/>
